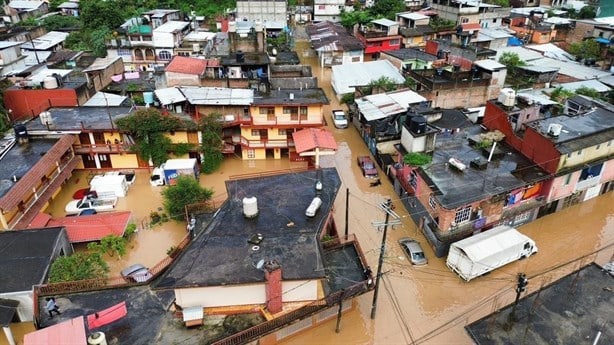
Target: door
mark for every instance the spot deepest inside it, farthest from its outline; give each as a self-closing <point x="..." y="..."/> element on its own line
<point x="105" y="160"/>
<point x="98" y="137"/>
<point x="89" y="162"/>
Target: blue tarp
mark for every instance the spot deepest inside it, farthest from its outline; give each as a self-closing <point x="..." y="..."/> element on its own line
<point x="514" y="42"/>
<point x="602" y="40"/>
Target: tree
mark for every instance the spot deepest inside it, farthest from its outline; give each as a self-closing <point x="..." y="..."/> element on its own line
<point x="109" y="244"/>
<point x="61" y="22"/>
<point x="511" y="60"/>
<point x="587" y="12"/>
<point x="382" y="84"/>
<point x="78" y="266"/>
<point x="148" y="128"/>
<point x="416" y="159"/>
<point x="96" y="14"/>
<point x="589" y="92"/>
<point x="351" y="18"/>
<point x="387" y="8"/>
<point x="561" y="95"/>
<point x="185" y="192"/>
<point x="587" y="49"/>
<point x="212" y="142"/>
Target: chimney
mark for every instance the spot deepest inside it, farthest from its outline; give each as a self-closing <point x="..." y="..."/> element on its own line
<point x="272" y="276"/>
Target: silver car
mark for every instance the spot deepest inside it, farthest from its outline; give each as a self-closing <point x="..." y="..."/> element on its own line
<point x="136" y="273"/>
<point x="413" y="250"/>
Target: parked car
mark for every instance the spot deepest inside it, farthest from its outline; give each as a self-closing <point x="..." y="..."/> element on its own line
<point x="340" y="120"/>
<point x="413" y="250"/>
<point x="98" y="204"/>
<point x="136" y="273"/>
<point x="367" y="166"/>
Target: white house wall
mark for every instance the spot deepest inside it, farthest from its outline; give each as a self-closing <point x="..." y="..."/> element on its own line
<point x="25" y="309"/>
<point x="223" y="296"/>
<point x="164" y="40"/>
<point x="412" y="144"/>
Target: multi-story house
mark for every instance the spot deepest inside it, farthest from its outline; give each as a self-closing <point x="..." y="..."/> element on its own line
<point x="11" y="58"/>
<point x="574" y="149"/>
<point x="166" y="38"/>
<point x="334" y="44"/>
<point x="275" y="116"/>
<point x="378" y="36"/>
<point x="263" y="10"/>
<point x="18" y="10"/>
<point x="330" y="10"/>
<point x="49" y="42"/>
<point x="470" y="12"/>
<point x="134" y="41"/>
<point x="474" y="182"/>
<point x="32" y="171"/>
<point x="415" y="29"/>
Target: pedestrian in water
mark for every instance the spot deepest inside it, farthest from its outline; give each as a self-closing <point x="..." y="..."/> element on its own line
<point x="52" y="307"/>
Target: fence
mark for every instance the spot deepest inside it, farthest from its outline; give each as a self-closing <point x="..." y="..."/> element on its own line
<point x="270" y="326"/>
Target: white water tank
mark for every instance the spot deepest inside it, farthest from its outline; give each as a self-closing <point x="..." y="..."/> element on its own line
<point x="554" y="129"/>
<point x="313" y="207"/>
<point x="50" y="83"/>
<point x="258" y="26"/>
<point x="232" y="26"/>
<point x="45" y="118"/>
<point x="250" y="207"/>
<point x="507" y="96"/>
<point x="97" y="338"/>
<point x="195" y="47"/>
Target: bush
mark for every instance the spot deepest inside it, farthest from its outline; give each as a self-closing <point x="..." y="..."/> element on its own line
<point x="78" y="266"/>
<point x="416" y="159"/>
<point x="185" y="192"/>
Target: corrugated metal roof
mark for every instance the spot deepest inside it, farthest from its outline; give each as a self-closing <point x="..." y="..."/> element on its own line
<point x="571" y="69"/>
<point x="103" y="99"/>
<point x="489" y="65"/>
<point x="384" y="22"/>
<point x="217" y="95"/>
<point x="46" y="41"/>
<point x="101" y="63"/>
<point x="171" y="26"/>
<point x="591" y="84"/>
<point x="169" y="95"/>
<point x="348" y="76"/>
<point x="28" y="5"/>
<point x="523" y="53"/>
<point x="379" y="106"/>
<point x="412" y="16"/>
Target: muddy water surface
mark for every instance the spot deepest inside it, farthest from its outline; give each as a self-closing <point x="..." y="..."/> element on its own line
<point x="430" y="304"/>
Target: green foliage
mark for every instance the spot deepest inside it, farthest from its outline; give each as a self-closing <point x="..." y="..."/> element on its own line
<point x="280" y="42"/>
<point x="156" y="218"/>
<point x="440" y="23"/>
<point x="96" y="15"/>
<point x="185" y="192"/>
<point x="502" y="3"/>
<point x="211" y="129"/>
<point x="560" y="95"/>
<point x="350" y="18"/>
<point x="61" y="22"/>
<point x="130" y="231"/>
<point x="587" y="49"/>
<point x="147" y="127"/>
<point x="181" y="149"/>
<point x="511" y="60"/>
<point x="347" y="98"/>
<point x="111" y="245"/>
<point x="78" y="266"/>
<point x="587" y="12"/>
<point x="410" y="83"/>
<point x="417" y="159"/>
<point x="382" y="83"/>
<point x="484" y="144"/>
<point x="589" y="92"/>
<point x="387" y="8"/>
<point x="610" y="96"/>
<point x="4" y="120"/>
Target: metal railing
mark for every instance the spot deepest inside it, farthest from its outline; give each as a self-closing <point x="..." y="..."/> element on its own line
<point x="277" y="323"/>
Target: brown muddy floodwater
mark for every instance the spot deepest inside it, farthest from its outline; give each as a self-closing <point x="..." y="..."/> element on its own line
<point x="431" y="304"/>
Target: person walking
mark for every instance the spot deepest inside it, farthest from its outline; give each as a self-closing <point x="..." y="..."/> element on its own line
<point x="52" y="307"/>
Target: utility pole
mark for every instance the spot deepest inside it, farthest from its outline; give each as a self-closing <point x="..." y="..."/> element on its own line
<point x="520" y="288"/>
<point x="347" y="211"/>
<point x="386" y="206"/>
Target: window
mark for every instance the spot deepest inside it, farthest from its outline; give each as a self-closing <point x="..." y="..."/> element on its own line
<point x="266" y="110"/>
<point x="494" y="20"/>
<point x="462" y="215"/>
<point x="251" y="153"/>
<point x="270" y="117"/>
<point x="281" y="132"/>
<point x="464" y="20"/>
<point x="591" y="172"/>
<point x="123" y="52"/>
<point x="432" y="201"/>
<point x="165" y="55"/>
<point x="523" y="217"/>
<point x="579" y="152"/>
<point x="567" y="179"/>
<point x="395" y="42"/>
<point x="413" y="180"/>
<point x="569" y="155"/>
<point x="255" y="132"/>
<point x="597" y="148"/>
<point x="303" y="113"/>
<point x="292" y="111"/>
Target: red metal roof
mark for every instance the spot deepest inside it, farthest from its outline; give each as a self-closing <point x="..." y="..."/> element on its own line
<point x="471" y="26"/>
<point x="311" y="138"/>
<point x="88" y="228"/>
<point x="71" y="332"/>
<point x="186" y="65"/>
<point x="105" y="317"/>
<point x="39" y="221"/>
<point x="24" y="186"/>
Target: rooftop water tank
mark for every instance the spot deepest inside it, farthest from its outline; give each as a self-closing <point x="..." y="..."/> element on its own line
<point x="554" y="129"/>
<point x="45" y="118"/>
<point x="50" y="83"/>
<point x="313" y="207"/>
<point x="507" y="97"/>
<point x="417" y="124"/>
<point x="250" y="207"/>
<point x="97" y="338"/>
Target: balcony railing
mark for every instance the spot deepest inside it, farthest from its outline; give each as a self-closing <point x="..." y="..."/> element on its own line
<point x="445" y="80"/>
<point x="266" y="143"/>
<point x="100" y="148"/>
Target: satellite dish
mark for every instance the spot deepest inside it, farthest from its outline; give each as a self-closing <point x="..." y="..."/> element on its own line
<point x="260" y="264"/>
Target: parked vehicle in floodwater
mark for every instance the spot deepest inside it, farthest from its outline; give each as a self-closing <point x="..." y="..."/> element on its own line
<point x="479" y="254"/>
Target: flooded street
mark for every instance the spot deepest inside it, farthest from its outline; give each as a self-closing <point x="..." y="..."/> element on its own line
<point x="430" y="304"/>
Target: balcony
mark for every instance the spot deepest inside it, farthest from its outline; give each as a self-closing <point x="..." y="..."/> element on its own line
<point x="266" y="143"/>
<point x="100" y="148"/>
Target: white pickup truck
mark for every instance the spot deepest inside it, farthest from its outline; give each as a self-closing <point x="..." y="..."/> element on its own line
<point x="98" y="204"/>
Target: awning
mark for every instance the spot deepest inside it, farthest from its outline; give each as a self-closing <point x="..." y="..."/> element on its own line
<point x="67" y="332"/>
<point x="602" y="40"/>
<point x="107" y="316"/>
